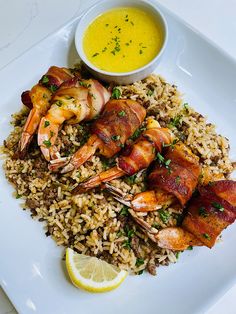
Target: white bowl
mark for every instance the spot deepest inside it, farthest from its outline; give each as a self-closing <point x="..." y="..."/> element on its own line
<point x="121" y="77"/>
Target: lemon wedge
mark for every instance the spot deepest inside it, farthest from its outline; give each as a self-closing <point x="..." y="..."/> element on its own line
<point x="91" y="273"/>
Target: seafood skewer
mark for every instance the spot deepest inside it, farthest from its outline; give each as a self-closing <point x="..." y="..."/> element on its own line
<point x="109" y="133"/>
<point x="74" y="101"/>
<point x="38" y="100"/>
<point x="134" y="158"/>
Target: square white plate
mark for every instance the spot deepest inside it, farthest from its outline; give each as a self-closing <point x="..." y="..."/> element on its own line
<point x="31" y="271"/>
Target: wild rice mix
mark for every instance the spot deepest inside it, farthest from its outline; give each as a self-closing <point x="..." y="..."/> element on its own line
<point x="94" y="223"/>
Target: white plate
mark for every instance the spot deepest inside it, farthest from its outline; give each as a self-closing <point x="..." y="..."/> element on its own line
<point x="31" y="270"/>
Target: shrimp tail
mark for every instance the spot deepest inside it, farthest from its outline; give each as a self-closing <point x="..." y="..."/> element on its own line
<point x="58" y="163"/>
<point x="83" y="154"/>
<point x="104" y="176"/>
<point x="29" y="129"/>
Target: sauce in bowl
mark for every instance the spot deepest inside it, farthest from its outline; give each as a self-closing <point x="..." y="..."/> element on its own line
<point x="123" y="39"/>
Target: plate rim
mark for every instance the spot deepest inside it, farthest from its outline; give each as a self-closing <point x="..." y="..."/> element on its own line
<point x="230" y="283"/>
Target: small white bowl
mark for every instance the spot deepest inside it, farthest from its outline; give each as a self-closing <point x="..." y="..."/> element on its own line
<point x="119" y="77"/>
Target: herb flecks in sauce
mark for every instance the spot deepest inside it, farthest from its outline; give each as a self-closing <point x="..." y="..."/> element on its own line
<point x="126" y="32"/>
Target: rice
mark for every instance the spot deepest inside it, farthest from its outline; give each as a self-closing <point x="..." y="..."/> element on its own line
<point x="94" y="223"/>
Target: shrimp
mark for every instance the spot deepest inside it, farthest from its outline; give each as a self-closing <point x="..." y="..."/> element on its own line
<point x="110" y="131"/>
<point x="74" y="102"/>
<point x="135" y="157"/>
<point x="38" y="100"/>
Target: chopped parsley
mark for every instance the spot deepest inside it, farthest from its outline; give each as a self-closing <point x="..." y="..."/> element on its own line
<point x="177" y="254"/>
<point x="47" y="143"/>
<point x="140" y="51"/>
<point x="160" y="157"/>
<point x="45" y="79"/>
<point x="95" y="54"/>
<point x="115" y="137"/>
<point x="84" y="84"/>
<point x="171" y="145"/>
<point x="122" y="113"/>
<point x="53" y="88"/>
<point x="18" y="196"/>
<point x="162" y="160"/>
<point x="115" y="93"/>
<point x="139" y="262"/>
<point x="150" y="92"/>
<point x="190" y="248"/>
<point x="206" y="235"/>
<point x="177" y="180"/>
<point x="124" y="211"/>
<point x="174" y="122"/>
<point x="46" y="124"/>
<point x="129" y="234"/>
<point x="202" y="212"/>
<point x="104" y="49"/>
<point x="59" y="103"/>
<point x="137" y="133"/>
<point x="167" y="162"/>
<point x="156" y="225"/>
<point x="140" y="272"/>
<point x="186" y="107"/>
<point x="106" y="25"/>
<point x="218" y="206"/>
<point x="131" y="179"/>
<point x="164" y="215"/>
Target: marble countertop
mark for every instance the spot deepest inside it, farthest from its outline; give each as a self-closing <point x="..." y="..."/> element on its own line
<point x="25" y="22"/>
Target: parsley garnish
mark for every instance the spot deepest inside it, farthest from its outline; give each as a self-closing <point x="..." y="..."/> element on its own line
<point x="124" y="211"/>
<point x="139" y="262"/>
<point x="206" y="235"/>
<point x="18" y="196"/>
<point x="140" y="52"/>
<point x="45" y="79"/>
<point x="47" y="143"/>
<point x="177" y="180"/>
<point x="156" y="225"/>
<point x="46" y="123"/>
<point x="150" y="92"/>
<point x="121" y="113"/>
<point x="186" y="106"/>
<point x="164" y="215"/>
<point x="177" y="254"/>
<point x="129" y="233"/>
<point x="131" y="179"/>
<point x="115" y="93"/>
<point x="218" y="206"/>
<point x="202" y="212"/>
<point x="59" y="103"/>
<point x="174" y="122"/>
<point x="172" y="145"/>
<point x="115" y="137"/>
<point x="160" y="157"/>
<point x="190" y="248"/>
<point x="137" y="133"/>
<point x="95" y="54"/>
<point x="53" y="88"/>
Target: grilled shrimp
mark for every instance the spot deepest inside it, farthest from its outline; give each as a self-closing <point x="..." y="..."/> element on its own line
<point x="135" y="157"/>
<point x="38" y="100"/>
<point x="74" y="102"/>
<point x="109" y="133"/>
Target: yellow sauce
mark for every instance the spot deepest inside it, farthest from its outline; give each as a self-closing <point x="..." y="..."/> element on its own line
<point x="123" y="39"/>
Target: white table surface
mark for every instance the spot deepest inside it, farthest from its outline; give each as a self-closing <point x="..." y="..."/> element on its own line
<point x="25" y="22"/>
